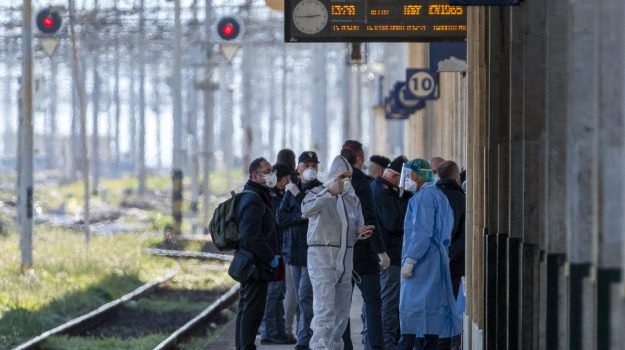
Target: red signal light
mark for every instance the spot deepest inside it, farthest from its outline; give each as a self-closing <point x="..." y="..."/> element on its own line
<point x="228" y="29"/>
<point x="48" y="22"/>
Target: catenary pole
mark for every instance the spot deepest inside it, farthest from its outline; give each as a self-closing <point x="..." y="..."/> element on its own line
<point x="26" y="139"/>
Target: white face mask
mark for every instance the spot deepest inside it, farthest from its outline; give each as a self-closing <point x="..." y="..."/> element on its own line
<point x="309" y="174"/>
<point x="347" y="185"/>
<point x="270" y="179"/>
<point x="410" y="185"/>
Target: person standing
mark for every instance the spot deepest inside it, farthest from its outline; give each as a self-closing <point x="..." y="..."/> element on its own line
<point x="335" y="221"/>
<point x="368" y="255"/>
<point x="377" y="164"/>
<point x="273" y="328"/>
<point x="427" y="308"/>
<point x="295" y="248"/>
<point x="287" y="156"/>
<point x="390" y="210"/>
<point x="449" y="183"/>
<point x="258" y="236"/>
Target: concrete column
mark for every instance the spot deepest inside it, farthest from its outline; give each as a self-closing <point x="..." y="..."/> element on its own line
<point x="516" y="175"/>
<point x="534" y="170"/>
<point x="582" y="170"/>
<point x="416" y="130"/>
<point x="608" y="255"/>
<point x="555" y="181"/>
<point x="477" y="128"/>
<point x="497" y="172"/>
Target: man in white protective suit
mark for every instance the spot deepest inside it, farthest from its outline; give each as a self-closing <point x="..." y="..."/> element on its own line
<point x="335" y="222"/>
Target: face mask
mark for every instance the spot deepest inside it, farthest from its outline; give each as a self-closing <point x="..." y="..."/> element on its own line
<point x="347" y="185"/>
<point x="410" y="185"/>
<point x="309" y="174"/>
<point x="270" y="180"/>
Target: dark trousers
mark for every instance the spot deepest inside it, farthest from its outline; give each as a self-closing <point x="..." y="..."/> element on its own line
<point x="252" y="297"/>
<point x="272" y="325"/>
<point x="410" y="342"/>
<point x="370" y="288"/>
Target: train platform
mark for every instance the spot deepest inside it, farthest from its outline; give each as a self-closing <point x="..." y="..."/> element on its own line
<point x="225" y="340"/>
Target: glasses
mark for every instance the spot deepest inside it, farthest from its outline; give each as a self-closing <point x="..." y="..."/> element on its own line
<point x="265" y="172"/>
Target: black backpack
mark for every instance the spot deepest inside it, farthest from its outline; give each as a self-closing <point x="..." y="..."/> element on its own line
<point x="223" y="226"/>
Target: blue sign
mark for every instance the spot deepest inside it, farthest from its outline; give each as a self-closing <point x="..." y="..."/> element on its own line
<point x="388" y="111"/>
<point x="448" y="57"/>
<point x="484" y="2"/>
<point x="401" y="104"/>
<point x="421" y="84"/>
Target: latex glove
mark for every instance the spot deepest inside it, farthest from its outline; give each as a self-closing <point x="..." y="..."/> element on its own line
<point x="291" y="187"/>
<point x="385" y="261"/>
<point x="406" y="269"/>
<point x="275" y="261"/>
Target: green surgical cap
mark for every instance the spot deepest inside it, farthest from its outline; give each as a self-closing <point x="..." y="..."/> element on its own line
<point x="421" y="168"/>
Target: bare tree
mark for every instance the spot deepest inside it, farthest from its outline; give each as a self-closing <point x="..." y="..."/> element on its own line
<point x="83" y="117"/>
<point x="142" y="173"/>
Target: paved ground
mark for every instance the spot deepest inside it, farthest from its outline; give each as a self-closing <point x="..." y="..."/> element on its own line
<point x="225" y="341"/>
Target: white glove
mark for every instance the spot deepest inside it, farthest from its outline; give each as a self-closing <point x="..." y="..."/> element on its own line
<point x="291" y="187"/>
<point x="385" y="261"/>
<point x="406" y="269"/>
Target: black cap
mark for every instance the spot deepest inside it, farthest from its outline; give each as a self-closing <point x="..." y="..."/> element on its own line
<point x="281" y="170"/>
<point x="380" y="160"/>
<point x="308" y="156"/>
<point x="398" y="163"/>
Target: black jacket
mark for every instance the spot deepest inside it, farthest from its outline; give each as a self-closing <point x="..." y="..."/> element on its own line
<point x="391" y="211"/>
<point x="276" y="198"/>
<point x="289" y="216"/>
<point x="457" y="201"/>
<point x="256" y="225"/>
<point x="366" y="251"/>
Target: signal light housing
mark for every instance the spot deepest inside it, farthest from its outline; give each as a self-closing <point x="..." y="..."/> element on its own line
<point x="49" y="21"/>
<point x="229" y="29"/>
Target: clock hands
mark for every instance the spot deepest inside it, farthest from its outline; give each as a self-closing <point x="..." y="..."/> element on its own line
<point x="308" y="16"/>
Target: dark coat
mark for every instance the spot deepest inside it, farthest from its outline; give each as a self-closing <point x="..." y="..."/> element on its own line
<point x="289" y="216"/>
<point x="277" y="195"/>
<point x="457" y="201"/>
<point x="391" y="211"/>
<point x="256" y="224"/>
<point x="366" y="251"/>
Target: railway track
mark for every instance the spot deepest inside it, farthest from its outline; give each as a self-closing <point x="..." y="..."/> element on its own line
<point x="125" y="315"/>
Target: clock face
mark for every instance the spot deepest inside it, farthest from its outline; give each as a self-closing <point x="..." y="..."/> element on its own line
<point x="310" y="16"/>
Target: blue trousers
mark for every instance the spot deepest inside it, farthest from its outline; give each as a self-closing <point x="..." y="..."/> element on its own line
<point x="370" y="288"/>
<point x="390" y="280"/>
<point x="304" y="296"/>
<point x="273" y="319"/>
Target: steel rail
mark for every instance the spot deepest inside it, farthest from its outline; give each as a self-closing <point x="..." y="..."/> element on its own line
<point x="67" y="326"/>
<point x="226" y="299"/>
<point x="188" y="255"/>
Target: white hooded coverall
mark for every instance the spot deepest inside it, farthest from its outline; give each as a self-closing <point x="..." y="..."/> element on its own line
<point x="333" y="226"/>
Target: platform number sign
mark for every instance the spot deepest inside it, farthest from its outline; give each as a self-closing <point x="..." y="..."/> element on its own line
<point x="422" y="84"/>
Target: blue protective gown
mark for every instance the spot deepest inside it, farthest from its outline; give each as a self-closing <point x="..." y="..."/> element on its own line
<point x="427" y="304"/>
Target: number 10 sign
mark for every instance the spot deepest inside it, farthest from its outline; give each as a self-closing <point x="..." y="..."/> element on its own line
<point x="421" y="84"/>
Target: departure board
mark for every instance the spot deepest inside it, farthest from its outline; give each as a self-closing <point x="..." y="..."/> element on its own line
<point x="374" y="20"/>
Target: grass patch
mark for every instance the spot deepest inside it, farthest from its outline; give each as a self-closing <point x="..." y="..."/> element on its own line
<point x="70" y="279"/>
<point x="78" y="343"/>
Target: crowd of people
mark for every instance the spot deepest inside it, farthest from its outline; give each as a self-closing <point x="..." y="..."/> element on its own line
<point x="397" y="233"/>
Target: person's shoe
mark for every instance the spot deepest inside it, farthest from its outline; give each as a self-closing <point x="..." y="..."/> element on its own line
<point x="291" y="338"/>
<point x="276" y="340"/>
